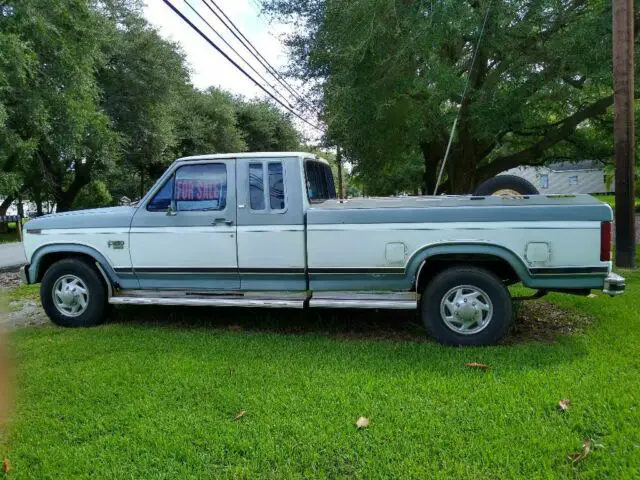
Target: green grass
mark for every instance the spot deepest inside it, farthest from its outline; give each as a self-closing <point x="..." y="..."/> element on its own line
<point x="611" y="201"/>
<point x="10" y="237"/>
<point x="155" y="396"/>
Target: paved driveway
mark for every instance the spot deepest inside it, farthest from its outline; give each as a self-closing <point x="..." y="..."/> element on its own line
<point x="11" y="255"/>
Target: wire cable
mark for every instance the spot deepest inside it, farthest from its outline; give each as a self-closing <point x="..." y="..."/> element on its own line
<point x="244" y="72"/>
<point x="251" y="48"/>
<point x="464" y="92"/>
<point x="236" y="52"/>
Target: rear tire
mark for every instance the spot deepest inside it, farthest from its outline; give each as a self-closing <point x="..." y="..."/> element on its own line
<point x="506" y="185"/>
<point x="466" y="306"/>
<point x="73" y="294"/>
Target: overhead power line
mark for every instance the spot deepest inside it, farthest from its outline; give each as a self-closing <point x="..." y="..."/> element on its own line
<point x="244" y="72"/>
<point x="236" y="52"/>
<point x="251" y="48"/>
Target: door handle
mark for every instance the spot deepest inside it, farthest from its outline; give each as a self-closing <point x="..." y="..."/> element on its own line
<point x="222" y="221"/>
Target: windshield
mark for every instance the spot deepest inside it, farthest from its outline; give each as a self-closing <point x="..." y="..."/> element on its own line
<point x="320" y="186"/>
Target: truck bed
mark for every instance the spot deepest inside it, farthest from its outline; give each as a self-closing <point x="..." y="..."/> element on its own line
<point x="440" y="209"/>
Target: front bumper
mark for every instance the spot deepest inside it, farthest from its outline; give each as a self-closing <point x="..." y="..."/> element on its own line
<point x="24" y="274"/>
<point x="613" y="284"/>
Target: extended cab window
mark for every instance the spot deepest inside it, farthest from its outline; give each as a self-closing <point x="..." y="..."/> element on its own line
<point x="272" y="199"/>
<point x="320" y="186"/>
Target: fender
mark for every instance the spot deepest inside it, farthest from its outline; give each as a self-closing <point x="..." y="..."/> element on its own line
<point x="39" y="254"/>
<point x="420" y="256"/>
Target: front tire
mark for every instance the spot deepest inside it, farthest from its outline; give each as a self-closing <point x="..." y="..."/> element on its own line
<point x="73" y="294"/>
<point x="466" y="306"/>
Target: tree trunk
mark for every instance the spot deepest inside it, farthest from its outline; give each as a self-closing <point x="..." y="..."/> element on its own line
<point x="64" y="199"/>
<point x="4" y="206"/>
<point x="6" y="203"/>
<point x="430" y="156"/>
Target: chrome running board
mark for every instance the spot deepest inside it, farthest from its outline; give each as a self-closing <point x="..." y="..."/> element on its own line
<point x="205" y="299"/>
<point x="383" y="301"/>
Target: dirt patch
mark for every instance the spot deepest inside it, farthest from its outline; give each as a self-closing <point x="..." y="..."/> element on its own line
<point x="536" y="321"/>
<point x="10" y="279"/>
<point x="544" y="322"/>
<point x="24" y="314"/>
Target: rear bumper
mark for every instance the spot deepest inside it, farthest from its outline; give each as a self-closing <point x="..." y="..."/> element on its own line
<point x="24" y="274"/>
<point x="613" y="284"/>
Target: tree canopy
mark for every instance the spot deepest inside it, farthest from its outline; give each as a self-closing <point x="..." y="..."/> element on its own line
<point x="390" y="75"/>
<point x="94" y="104"/>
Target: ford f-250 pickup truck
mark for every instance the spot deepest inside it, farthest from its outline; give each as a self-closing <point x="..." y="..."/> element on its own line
<point x="266" y="230"/>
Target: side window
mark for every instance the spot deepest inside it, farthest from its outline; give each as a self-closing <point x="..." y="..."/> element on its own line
<point x="276" y="186"/>
<point x="320" y="186"/>
<point x="161" y="201"/>
<point x="201" y="187"/>
<point x="261" y="198"/>
<point x="256" y="186"/>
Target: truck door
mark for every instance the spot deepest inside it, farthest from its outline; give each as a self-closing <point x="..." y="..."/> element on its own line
<point x="184" y="236"/>
<point x="271" y="237"/>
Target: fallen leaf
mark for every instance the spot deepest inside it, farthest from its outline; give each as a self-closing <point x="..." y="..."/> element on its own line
<point x="232" y="371"/>
<point x="564" y="404"/>
<point x="240" y="415"/>
<point x="6" y="465"/>
<point x="481" y="366"/>
<point x="578" y="457"/>
<point x="362" y="422"/>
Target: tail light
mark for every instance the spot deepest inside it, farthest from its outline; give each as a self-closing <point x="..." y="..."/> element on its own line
<point x="605" y="241"/>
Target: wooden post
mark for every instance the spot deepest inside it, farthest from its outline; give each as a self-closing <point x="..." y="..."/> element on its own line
<point x="339" y="163"/>
<point x="624" y="132"/>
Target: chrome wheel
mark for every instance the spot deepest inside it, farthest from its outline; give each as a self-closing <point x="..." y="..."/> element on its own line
<point x="466" y="309"/>
<point x="70" y="295"/>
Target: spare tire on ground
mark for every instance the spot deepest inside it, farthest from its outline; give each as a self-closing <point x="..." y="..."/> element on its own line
<point x="506" y="185"/>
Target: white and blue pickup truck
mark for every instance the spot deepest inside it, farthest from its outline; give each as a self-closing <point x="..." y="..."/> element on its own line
<point x="266" y="230"/>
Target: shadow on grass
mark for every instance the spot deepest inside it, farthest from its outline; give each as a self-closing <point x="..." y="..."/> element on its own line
<point x="539" y="322"/>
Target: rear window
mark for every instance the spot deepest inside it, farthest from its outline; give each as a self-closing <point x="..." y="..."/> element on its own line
<point x="320" y="186"/>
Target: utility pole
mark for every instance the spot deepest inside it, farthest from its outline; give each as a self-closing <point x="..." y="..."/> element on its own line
<point x="624" y="132"/>
<point x="339" y="163"/>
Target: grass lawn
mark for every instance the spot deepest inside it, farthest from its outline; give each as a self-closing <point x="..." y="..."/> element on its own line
<point x="156" y="396"/>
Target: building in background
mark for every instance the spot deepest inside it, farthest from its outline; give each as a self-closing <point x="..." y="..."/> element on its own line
<point x="587" y="176"/>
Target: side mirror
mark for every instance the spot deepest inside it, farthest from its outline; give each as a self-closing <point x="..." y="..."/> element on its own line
<point x="171" y="212"/>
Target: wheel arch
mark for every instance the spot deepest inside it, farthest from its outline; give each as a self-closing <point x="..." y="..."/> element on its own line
<point x="427" y="262"/>
<point x="47" y="255"/>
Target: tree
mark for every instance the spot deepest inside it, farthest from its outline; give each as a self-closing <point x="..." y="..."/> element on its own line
<point x="208" y="124"/>
<point x="265" y="128"/>
<point x="143" y="82"/>
<point x="54" y="134"/>
<point x="392" y="73"/>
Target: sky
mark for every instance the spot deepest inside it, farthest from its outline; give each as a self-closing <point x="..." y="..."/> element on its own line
<point x="210" y="68"/>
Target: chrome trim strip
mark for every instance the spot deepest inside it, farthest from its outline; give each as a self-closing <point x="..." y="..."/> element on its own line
<point x="211" y="302"/>
<point x="344" y="303"/>
<point x="366" y="295"/>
